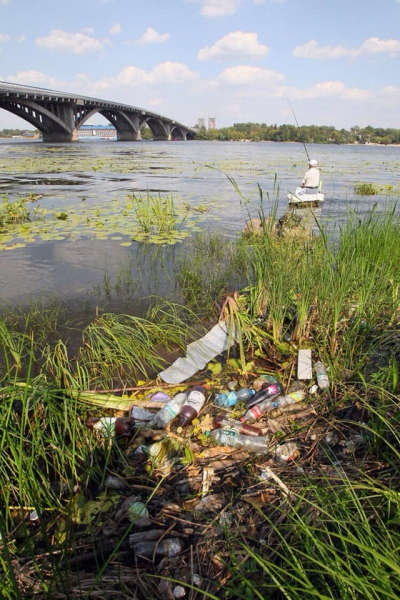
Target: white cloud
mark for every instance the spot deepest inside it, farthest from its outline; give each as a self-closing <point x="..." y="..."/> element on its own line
<point x="87" y="30"/>
<point x="163" y="74"/>
<point x="116" y="28"/>
<point x="4" y="37"/>
<point x="225" y="8"/>
<point x="151" y="36"/>
<point x="4" y="1"/>
<point x="325" y="89"/>
<point x="219" y="8"/>
<point x="233" y="46"/>
<point x="372" y="46"/>
<point x="37" y="78"/>
<point x="73" y="43"/>
<point x="20" y="38"/>
<point x="245" y="76"/>
<point x="171" y="72"/>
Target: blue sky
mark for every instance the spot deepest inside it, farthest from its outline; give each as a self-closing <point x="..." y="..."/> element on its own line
<point x="337" y="61"/>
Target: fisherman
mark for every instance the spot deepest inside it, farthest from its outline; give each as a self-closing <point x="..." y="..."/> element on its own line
<point x="310" y="182"/>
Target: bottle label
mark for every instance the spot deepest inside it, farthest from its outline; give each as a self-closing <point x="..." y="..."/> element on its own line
<point x="195" y="400"/>
<point x="228" y="437"/>
<point x="256" y="412"/>
<point x="296" y="396"/>
<point x="172" y="410"/>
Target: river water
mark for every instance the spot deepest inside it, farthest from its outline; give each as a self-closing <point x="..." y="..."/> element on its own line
<point x="80" y="267"/>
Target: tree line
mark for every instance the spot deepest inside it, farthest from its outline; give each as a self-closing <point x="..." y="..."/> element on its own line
<point x="256" y="132"/>
<point x="318" y="134"/>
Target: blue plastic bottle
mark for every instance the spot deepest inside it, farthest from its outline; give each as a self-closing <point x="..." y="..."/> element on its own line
<point x="230" y="398"/>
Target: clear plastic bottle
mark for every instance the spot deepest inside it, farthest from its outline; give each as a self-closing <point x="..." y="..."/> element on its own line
<point x="271" y="390"/>
<point x="169" y="547"/>
<point x="270" y="404"/>
<point x="230" y="398"/>
<point x="222" y="421"/>
<point x="141" y="414"/>
<point x="322" y="376"/>
<point x="230" y="437"/>
<point x="170" y="411"/>
<point x="192" y="406"/>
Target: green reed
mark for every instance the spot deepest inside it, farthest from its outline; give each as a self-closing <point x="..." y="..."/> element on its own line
<point x="155" y="215"/>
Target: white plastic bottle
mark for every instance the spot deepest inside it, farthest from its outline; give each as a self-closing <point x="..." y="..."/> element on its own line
<point x="169" y="411"/>
<point x="230" y="437"/>
<point x="322" y="376"/>
<point x="193" y="405"/>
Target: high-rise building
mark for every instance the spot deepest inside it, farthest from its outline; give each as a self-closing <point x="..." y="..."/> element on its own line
<point x="211" y="122"/>
<point x="201" y="122"/>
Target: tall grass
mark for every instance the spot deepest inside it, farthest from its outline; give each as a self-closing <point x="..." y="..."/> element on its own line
<point x="155" y="215"/>
<point x="341" y="289"/>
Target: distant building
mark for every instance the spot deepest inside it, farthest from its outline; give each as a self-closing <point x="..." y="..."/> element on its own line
<point x="97" y="132"/>
<point x="201" y="122"/>
<point x="211" y="122"/>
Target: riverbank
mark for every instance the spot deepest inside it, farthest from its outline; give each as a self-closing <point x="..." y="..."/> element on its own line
<point x="320" y="517"/>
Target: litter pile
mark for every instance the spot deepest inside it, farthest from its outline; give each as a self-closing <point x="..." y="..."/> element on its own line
<point x="197" y="459"/>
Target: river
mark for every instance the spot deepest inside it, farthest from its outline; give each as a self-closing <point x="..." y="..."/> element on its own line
<point x="86" y="181"/>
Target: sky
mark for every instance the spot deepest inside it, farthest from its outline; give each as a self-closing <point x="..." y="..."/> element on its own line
<point x="330" y="62"/>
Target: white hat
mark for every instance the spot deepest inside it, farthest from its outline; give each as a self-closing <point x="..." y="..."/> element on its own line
<point x="312" y="163"/>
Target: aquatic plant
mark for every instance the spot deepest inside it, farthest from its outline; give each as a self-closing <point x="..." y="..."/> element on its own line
<point x="366" y="189"/>
<point x="157" y="217"/>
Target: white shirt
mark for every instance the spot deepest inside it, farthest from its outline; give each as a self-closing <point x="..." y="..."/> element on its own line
<point x="311" y="177"/>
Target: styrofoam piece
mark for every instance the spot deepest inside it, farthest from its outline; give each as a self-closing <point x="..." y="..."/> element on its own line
<point x="304" y="365"/>
<point x="199" y="353"/>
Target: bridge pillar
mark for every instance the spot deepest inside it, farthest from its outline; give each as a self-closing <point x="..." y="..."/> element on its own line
<point x="60" y="136"/>
<point x="128" y="136"/>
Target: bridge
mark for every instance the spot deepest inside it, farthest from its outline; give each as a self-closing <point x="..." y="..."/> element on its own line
<point x="59" y="115"/>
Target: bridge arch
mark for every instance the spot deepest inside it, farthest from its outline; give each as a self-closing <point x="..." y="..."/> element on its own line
<point x="59" y="115"/>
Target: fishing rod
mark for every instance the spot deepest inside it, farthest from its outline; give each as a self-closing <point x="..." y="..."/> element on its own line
<point x="298" y="127"/>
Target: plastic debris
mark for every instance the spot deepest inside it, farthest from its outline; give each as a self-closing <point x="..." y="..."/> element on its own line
<point x="244" y="428"/>
<point x="192" y="406"/>
<point x="304" y="366"/>
<point x="232" y="397"/>
<point x="288" y="451"/>
<point x="269" y="391"/>
<point x="141" y="414"/>
<point x="169" y="547"/>
<point x="179" y="591"/>
<point x="230" y="437"/>
<point x="170" y="411"/>
<point x="322" y="376"/>
<point x="199" y="353"/>
<point x="160" y="397"/>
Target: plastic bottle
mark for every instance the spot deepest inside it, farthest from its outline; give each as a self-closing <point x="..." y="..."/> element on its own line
<point x="110" y="426"/>
<point x="291" y="398"/>
<point x="193" y="405"/>
<point x="271" y="390"/>
<point x="270" y="404"/>
<point x="230" y="437"/>
<point x="222" y="421"/>
<point x="141" y="414"/>
<point x="170" y="411"/>
<point x="229" y="399"/>
<point x="169" y="547"/>
<point x="322" y="376"/>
